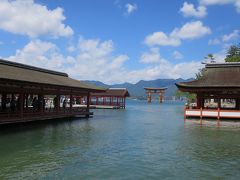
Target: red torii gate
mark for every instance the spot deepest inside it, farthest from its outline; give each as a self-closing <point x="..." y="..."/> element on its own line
<point x="160" y="91"/>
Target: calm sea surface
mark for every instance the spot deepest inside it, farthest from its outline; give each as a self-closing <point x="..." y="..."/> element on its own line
<point x="142" y="142"/>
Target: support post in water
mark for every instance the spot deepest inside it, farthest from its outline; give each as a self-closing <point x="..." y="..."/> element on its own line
<point x="218" y="117"/>
<point x="201" y="114"/>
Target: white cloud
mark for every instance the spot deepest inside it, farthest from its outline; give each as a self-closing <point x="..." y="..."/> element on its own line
<point x="95" y="60"/>
<point x="177" y="55"/>
<point x="131" y="8"/>
<point x="235" y="35"/>
<point x="41" y="54"/>
<point x="191" y="30"/>
<point x="165" y="69"/>
<point x="71" y="48"/>
<point x="216" y="2"/>
<point x="231" y="37"/>
<point x="220" y="56"/>
<point x="236" y="3"/>
<point x="214" y="41"/>
<point x="188" y="10"/>
<point x="151" y="57"/>
<point x="25" y="17"/>
<point x="161" y="39"/>
<point x="186" y="69"/>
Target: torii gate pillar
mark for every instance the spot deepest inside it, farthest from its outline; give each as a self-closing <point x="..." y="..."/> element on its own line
<point x="149" y="97"/>
<point x="159" y="91"/>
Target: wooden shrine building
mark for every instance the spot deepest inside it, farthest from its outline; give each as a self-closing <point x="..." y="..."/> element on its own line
<point x="159" y="91"/>
<point x="112" y="97"/>
<point x="29" y="93"/>
<point x="217" y="91"/>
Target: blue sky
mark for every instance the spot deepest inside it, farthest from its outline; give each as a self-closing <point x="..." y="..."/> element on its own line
<point x="118" y="41"/>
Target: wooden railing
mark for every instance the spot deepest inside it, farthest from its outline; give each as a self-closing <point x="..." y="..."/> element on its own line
<point x="48" y="113"/>
<point x="212" y="113"/>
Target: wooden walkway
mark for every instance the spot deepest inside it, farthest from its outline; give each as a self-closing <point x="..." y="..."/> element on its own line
<point x="100" y="106"/>
<point x="103" y="107"/>
<point x="10" y="118"/>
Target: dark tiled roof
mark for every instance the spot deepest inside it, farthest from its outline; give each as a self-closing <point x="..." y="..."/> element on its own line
<point x="225" y="75"/>
<point x="31" y="74"/>
<point x="122" y="92"/>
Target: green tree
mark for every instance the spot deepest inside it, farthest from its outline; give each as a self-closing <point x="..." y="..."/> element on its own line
<point x="200" y="73"/>
<point x="191" y="97"/>
<point x="210" y="57"/>
<point x="233" y="54"/>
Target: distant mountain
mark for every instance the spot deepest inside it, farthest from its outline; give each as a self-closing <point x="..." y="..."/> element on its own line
<point x="98" y="83"/>
<point x="137" y="90"/>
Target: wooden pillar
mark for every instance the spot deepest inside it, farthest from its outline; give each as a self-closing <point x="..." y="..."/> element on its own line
<point x="124" y="102"/>
<point x="40" y="100"/>
<point x="149" y="97"/>
<point x="88" y="104"/>
<point x="218" y="109"/>
<point x="237" y="103"/>
<point x="4" y="100"/>
<point x="110" y="100"/>
<point x="202" y="102"/>
<point x="185" y="109"/>
<point x="219" y="103"/>
<point x="58" y="103"/>
<point x="71" y="102"/>
<point x="88" y="101"/>
<point x="26" y="100"/>
<point x="21" y="104"/>
<point x="97" y="100"/>
<point x="199" y="101"/>
<point x="161" y="97"/>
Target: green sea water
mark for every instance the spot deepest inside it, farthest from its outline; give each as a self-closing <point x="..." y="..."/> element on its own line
<point x="145" y="141"/>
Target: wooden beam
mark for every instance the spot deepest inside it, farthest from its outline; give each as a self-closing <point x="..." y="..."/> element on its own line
<point x="88" y="103"/>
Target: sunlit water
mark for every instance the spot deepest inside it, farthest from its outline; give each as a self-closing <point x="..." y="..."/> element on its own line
<point x="142" y="142"/>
